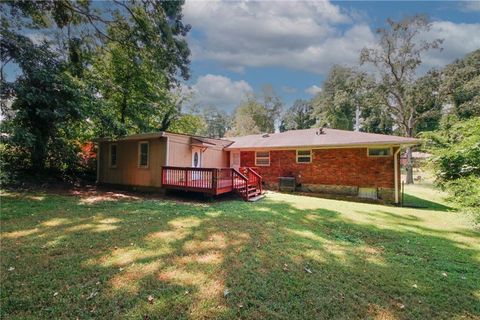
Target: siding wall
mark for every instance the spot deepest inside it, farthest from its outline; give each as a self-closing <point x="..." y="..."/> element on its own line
<point x="180" y="154"/>
<point x="127" y="170"/>
<point x="344" y="166"/>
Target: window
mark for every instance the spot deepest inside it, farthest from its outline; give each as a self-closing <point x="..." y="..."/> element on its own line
<point x="304" y="156"/>
<point x="379" y="152"/>
<point x="262" y="158"/>
<point x="113" y="155"/>
<point x="143" y="154"/>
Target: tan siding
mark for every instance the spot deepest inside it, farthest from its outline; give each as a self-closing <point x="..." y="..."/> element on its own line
<point x="214" y="158"/>
<point x="127" y="170"/>
<point x="180" y="154"/>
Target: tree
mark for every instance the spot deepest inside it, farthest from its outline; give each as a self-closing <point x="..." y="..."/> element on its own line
<point x="188" y="123"/>
<point x="217" y="122"/>
<point x="257" y="114"/>
<point x="299" y="116"/>
<point x="460" y="86"/>
<point x="46" y="98"/>
<point x="346" y="92"/>
<point x="396" y="58"/>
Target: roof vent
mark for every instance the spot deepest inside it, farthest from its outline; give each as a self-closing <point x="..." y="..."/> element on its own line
<point x="265" y="135"/>
<point x="320" y="131"/>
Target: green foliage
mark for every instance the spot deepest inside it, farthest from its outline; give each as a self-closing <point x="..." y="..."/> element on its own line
<point x="465" y="192"/>
<point x="461" y="85"/>
<point x="46" y="100"/>
<point x="335" y="105"/>
<point x="188" y="124"/>
<point x="299" y="116"/>
<point x="257" y="114"/>
<point x="108" y="71"/>
<point x="456" y="161"/>
<point x="217" y="122"/>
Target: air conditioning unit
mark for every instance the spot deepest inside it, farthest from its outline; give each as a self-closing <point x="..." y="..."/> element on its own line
<point x="287" y="184"/>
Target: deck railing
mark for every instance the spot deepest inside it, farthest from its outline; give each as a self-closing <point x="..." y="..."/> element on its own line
<point x="211" y="180"/>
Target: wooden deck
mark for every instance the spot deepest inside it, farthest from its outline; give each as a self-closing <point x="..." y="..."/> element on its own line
<point x="214" y="181"/>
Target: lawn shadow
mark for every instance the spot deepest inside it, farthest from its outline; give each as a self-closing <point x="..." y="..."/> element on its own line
<point x="411" y="201"/>
<point x="229" y="259"/>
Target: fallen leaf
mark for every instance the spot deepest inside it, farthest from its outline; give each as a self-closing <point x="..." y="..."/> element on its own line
<point x="226" y="292"/>
<point x="55" y="294"/>
<point x="11" y="268"/>
<point x="240" y="305"/>
<point x="285" y="267"/>
<point x="307" y="270"/>
<point x="415" y="286"/>
<point x="150" y="299"/>
<point x="93" y="294"/>
<point x="444" y="274"/>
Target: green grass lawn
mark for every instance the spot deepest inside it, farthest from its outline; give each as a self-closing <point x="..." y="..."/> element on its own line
<point x="110" y="256"/>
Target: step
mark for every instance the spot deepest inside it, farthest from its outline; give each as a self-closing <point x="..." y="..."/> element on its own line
<point x="256" y="198"/>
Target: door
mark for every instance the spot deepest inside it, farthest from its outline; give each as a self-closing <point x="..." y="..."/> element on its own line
<point x="235" y="160"/>
<point x="196" y="162"/>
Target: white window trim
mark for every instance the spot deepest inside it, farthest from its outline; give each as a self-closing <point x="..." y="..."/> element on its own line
<point x="110" y="155"/>
<point x="311" y="156"/>
<point x="262" y="165"/>
<point x="390" y="153"/>
<point x="139" y="154"/>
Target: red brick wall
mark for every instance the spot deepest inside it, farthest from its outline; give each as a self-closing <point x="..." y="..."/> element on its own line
<point x="347" y="167"/>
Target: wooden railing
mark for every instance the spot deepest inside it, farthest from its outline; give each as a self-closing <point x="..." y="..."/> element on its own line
<point x="240" y="184"/>
<point x="254" y="179"/>
<point x="211" y="180"/>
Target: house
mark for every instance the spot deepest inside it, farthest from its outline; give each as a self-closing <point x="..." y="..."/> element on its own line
<point x="329" y="161"/>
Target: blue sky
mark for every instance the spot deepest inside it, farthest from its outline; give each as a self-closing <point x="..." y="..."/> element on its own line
<point x="240" y="46"/>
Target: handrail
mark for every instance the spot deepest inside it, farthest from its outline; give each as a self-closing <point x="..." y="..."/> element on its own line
<point x="240" y="174"/>
<point x="259" y="178"/>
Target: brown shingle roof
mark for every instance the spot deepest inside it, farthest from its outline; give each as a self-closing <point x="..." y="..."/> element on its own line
<point x="311" y="138"/>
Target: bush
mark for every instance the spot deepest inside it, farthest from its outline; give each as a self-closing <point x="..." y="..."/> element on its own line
<point x="465" y="192"/>
<point x="456" y="160"/>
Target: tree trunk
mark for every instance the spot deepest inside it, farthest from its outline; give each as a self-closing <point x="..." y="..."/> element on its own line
<point x="38" y="155"/>
<point x="409" y="178"/>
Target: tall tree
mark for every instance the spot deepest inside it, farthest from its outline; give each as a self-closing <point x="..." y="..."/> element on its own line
<point x="460" y="86"/>
<point x="345" y="92"/>
<point x="257" y="114"/>
<point x="217" y="122"/>
<point x="397" y="58"/>
<point x="299" y="116"/>
<point x="46" y="98"/>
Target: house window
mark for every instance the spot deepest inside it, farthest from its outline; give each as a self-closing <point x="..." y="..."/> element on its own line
<point x="379" y="152"/>
<point x="262" y="158"/>
<point x="113" y="155"/>
<point x="143" y="153"/>
<point x="304" y="156"/>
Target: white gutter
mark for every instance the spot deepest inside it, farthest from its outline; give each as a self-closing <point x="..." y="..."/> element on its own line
<point x="395" y="166"/>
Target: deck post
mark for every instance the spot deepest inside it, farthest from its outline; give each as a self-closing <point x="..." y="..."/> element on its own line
<point x="214" y="180"/>
<point x="186" y="178"/>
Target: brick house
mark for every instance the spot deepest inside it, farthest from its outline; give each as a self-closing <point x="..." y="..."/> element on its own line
<point x="327" y="161"/>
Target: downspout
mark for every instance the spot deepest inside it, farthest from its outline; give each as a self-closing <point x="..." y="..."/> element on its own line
<point x="166" y="153"/>
<point x="395" y="166"/>
<point x="98" y="163"/>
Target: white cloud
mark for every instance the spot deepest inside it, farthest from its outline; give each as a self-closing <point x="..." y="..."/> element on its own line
<point x="297" y="35"/>
<point x="459" y="39"/>
<point x="310" y="36"/>
<point x="313" y="90"/>
<point x="219" y="91"/>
